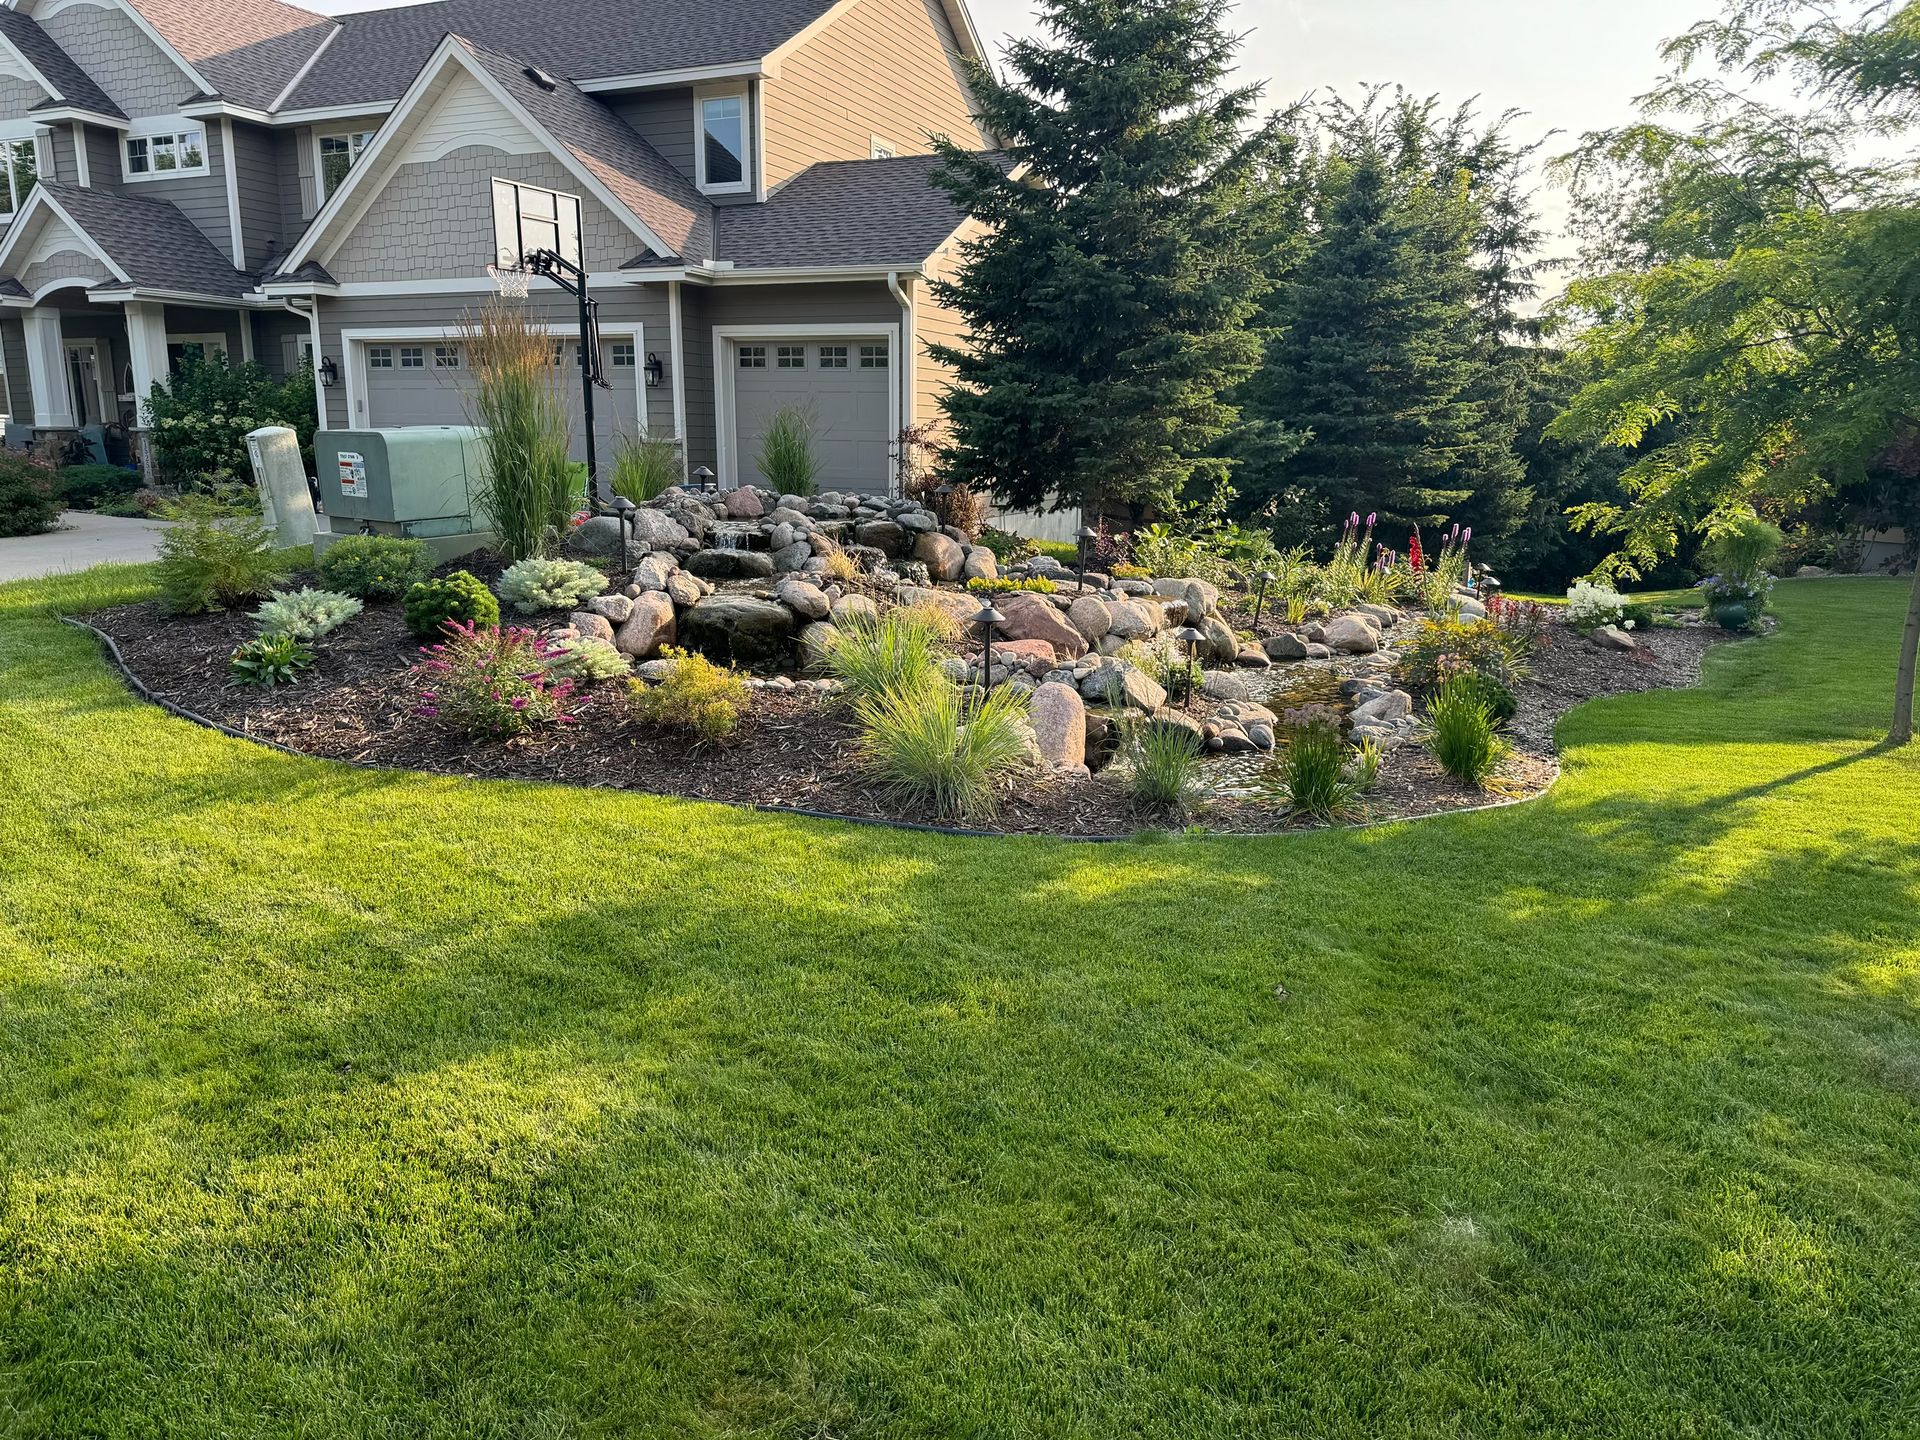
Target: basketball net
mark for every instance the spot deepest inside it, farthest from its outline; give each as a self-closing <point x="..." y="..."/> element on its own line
<point x="512" y="280"/>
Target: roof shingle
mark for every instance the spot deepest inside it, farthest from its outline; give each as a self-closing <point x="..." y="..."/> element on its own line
<point x="23" y="32"/>
<point x="248" y="50"/>
<point x="152" y="241"/>
<point x="843" y="212"/>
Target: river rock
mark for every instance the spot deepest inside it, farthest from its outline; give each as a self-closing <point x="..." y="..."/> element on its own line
<point x="1352" y="635"/>
<point x="739" y="628"/>
<point x="647" y="627"/>
<point x="1059" y="719"/>
<point x="809" y="602"/>
<point x="943" y="559"/>
<point x="1030" y="617"/>
<point x="731" y="564"/>
<point x="743" y="504"/>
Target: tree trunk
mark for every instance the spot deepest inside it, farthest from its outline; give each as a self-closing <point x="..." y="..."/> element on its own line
<point x="1902" y="731"/>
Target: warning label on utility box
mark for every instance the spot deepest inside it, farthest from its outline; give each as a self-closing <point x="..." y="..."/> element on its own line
<point x="353" y="473"/>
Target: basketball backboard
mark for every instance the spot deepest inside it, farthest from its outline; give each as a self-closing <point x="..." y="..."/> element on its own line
<point x="527" y="218"/>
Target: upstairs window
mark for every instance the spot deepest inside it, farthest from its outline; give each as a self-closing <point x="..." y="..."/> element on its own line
<point x="21" y="161"/>
<point x="721" y="148"/>
<point x="337" y="156"/>
<point x="171" y="152"/>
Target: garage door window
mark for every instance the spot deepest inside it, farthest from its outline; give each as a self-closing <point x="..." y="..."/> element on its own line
<point x="412" y="357"/>
<point x="873" y="357"/>
<point x="833" y="357"/>
<point x="380" y="357"/>
<point x="790" y="357"/>
<point x="623" y="354"/>
<point x="753" y="357"/>
<point x="446" y="357"/>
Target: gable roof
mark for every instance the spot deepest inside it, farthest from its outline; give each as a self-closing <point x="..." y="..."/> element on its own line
<point x="622" y="171"/>
<point x="378" y="52"/>
<point x="53" y="65"/>
<point x="151" y="242"/>
<point x="248" y="50"/>
<point x="878" y="213"/>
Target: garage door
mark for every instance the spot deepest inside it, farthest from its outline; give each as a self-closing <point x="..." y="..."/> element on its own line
<point x="424" y="382"/>
<point x="843" y="385"/>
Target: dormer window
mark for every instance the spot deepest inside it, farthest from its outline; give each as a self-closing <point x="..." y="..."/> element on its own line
<point x="21" y="161"/>
<point x="163" y="154"/>
<point x="720" y="150"/>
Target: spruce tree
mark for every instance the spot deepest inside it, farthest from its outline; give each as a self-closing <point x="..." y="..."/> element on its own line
<point x="1106" y="297"/>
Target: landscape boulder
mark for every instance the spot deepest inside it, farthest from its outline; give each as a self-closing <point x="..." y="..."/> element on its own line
<point x="1612" y="637"/>
<point x="809" y="602"/>
<point x="1387" y="708"/>
<point x="731" y="564"/>
<point x="853" y="609"/>
<point x="647" y="627"/>
<point x="1030" y="617"/>
<point x="653" y="571"/>
<point x="1285" y="646"/>
<point x="739" y="628"/>
<point x="1059" y="718"/>
<point x="598" y="537"/>
<point x="942" y="557"/>
<point x="888" y="538"/>
<point x="1116" y="682"/>
<point x="1135" y="619"/>
<point x="657" y="530"/>
<point x="1090" y="616"/>
<point x="980" y="565"/>
<point x="1352" y="635"/>
<point x="743" y="504"/>
<point x="591" y="624"/>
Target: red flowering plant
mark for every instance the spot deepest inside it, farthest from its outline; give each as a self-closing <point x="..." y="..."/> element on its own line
<point x="1416" y="557"/>
<point x="1527" y="624"/>
<point x="491" y="681"/>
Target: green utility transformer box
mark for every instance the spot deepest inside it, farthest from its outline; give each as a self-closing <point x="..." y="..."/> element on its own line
<point x="422" y="482"/>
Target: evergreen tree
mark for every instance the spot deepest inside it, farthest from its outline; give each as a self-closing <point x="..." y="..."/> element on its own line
<point x="1107" y="296"/>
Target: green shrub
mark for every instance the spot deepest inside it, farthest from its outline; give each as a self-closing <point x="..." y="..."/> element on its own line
<point x="199" y="417"/>
<point x="1163" y="767"/>
<point x="531" y="490"/>
<point x="1007" y="547"/>
<point x="459" y="598"/>
<point x="1639" y="616"/>
<point x="489" y="681"/>
<point x="1744" y="549"/>
<point x="269" y="660"/>
<point x="27" y="504"/>
<point x="86" y="487"/>
<point x="535" y="584"/>
<point x="924" y="747"/>
<point x="1036" y="585"/>
<point x="212" y="561"/>
<point x="375" y="567"/>
<point x="696" y="697"/>
<point x="788" y="462"/>
<point x="1442" y="648"/>
<point x="1065" y="551"/>
<point x="1318" y="774"/>
<point x="876" y="658"/>
<point x="1461" y="732"/>
<point x="306" y="615"/>
<point x="646" y="465"/>
<point x="587" y="657"/>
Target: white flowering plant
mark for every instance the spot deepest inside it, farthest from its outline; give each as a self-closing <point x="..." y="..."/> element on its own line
<point x="199" y="417"/>
<point x="1591" y="605"/>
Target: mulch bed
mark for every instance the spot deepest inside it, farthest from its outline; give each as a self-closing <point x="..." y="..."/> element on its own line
<point x="794" y="747"/>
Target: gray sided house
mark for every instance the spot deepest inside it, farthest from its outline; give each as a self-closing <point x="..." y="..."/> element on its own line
<point x="748" y="189"/>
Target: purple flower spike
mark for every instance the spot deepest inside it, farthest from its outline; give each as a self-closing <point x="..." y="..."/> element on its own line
<point x="1354" y="519"/>
<point x="1467" y="534"/>
<point x="1373" y="518"/>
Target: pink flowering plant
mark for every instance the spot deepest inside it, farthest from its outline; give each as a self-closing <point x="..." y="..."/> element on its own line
<point x="492" y="681"/>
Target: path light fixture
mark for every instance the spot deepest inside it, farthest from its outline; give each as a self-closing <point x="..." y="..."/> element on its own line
<point x="987" y="618"/>
<point x="942" y="495"/>
<point x="703" y="479"/>
<point x="623" y="513"/>
<point x="1190" y="641"/>
<point x="1086" y="537"/>
<point x="1267" y="578"/>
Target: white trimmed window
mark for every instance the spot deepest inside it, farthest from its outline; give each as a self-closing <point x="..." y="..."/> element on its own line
<point x="21" y="161"/>
<point x="720" y="143"/>
<point x="833" y="357"/>
<point x="753" y="357"/>
<point x="337" y="156"/>
<point x="881" y="149"/>
<point x="873" y="357"/>
<point x="167" y="153"/>
<point x="446" y="357"/>
<point x="623" y="355"/>
<point x="413" y="357"/>
<point x="790" y="357"/>
<point x="379" y="357"/>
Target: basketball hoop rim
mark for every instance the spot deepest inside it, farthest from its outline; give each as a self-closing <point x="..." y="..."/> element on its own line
<point x="512" y="280"/>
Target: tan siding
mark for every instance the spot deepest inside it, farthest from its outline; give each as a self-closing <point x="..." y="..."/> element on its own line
<point x="889" y="68"/>
<point x="934" y="322"/>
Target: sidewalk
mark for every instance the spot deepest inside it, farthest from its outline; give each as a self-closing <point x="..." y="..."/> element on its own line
<point x="83" y="539"/>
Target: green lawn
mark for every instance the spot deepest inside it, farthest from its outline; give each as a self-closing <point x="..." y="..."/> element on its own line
<point x="348" y="1104"/>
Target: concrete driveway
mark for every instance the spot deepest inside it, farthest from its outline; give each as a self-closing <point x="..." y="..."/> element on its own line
<point x="83" y="539"/>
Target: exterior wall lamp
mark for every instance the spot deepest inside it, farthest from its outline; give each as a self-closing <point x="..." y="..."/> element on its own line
<point x="656" y="372"/>
<point x="329" y="372"/>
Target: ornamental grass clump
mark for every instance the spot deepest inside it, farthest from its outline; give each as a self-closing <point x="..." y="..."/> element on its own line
<point x="695" y="697"/>
<point x="530" y="490"/>
<point x="1461" y="732"/>
<point x="535" y="584"/>
<point x="458" y="598"/>
<point x="491" y="682"/>
<point x="375" y="567"/>
<point x="645" y="466"/>
<point x="1316" y="773"/>
<point x="306" y="615"/>
<point x="213" y="561"/>
<point x="1163" y="768"/>
<point x="788" y="460"/>
<point x="925" y="747"/>
<point x="874" y="658"/>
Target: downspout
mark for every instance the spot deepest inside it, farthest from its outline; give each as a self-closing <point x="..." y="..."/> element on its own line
<point x="676" y="339"/>
<point x="292" y="307"/>
<point x="906" y="375"/>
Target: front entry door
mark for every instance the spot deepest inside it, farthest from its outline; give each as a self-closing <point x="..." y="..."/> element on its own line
<point x="83" y="382"/>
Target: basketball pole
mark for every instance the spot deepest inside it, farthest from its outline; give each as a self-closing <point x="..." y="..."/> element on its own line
<point x="573" y="279"/>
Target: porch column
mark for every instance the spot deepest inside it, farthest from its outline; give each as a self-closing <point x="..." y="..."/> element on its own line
<point x="146" y="351"/>
<point x="47" y="369"/>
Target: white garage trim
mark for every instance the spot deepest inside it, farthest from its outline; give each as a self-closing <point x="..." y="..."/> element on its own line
<point x="354" y="345"/>
<point x="725" y="337"/>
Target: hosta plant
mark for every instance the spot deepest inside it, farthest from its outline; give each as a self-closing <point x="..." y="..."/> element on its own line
<point x="306" y="615"/>
<point x="536" y="584"/>
<point x="268" y="660"/>
<point x="491" y="682"/>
